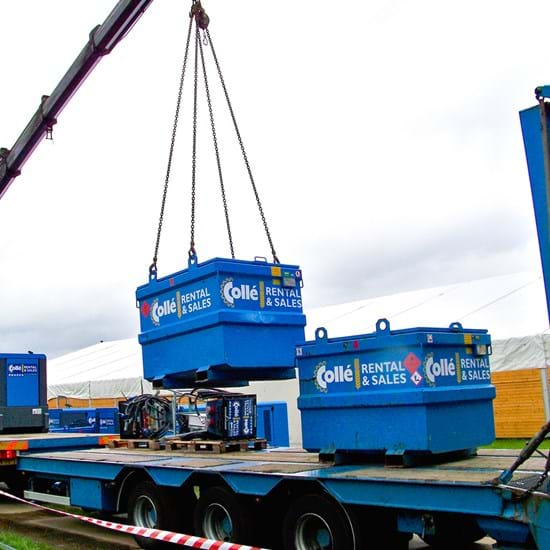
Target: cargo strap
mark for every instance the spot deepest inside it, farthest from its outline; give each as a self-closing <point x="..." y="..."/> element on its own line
<point x="201" y="19"/>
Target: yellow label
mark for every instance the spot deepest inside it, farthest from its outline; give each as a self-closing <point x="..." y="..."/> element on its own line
<point x="276" y="272"/>
<point x="178" y="303"/>
<point x="262" y="294"/>
<point x="276" y="282"/>
<point x="468" y="339"/>
<point x="458" y="369"/>
<point x="357" y="374"/>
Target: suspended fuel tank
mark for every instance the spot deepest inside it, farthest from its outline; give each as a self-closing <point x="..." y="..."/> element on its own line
<point x="221" y="323"/>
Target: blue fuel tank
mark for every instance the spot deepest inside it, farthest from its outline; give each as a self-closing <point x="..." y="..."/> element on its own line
<point x="419" y="390"/>
<point x="221" y="323"/>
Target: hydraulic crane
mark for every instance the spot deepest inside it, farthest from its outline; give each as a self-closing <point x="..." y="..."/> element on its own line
<point x="102" y="41"/>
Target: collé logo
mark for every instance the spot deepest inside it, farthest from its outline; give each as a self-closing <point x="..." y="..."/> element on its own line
<point x="230" y="292"/>
<point x="323" y="376"/>
<point x="435" y="369"/>
<point x="157" y="309"/>
<point x="21" y="370"/>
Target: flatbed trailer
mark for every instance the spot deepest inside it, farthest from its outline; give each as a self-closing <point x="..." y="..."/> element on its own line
<point x="285" y="498"/>
<point x="11" y="445"/>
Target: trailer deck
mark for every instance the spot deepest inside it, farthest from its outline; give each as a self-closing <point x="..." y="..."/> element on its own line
<point x="466" y="486"/>
<point x="35" y="441"/>
<point x="480" y="469"/>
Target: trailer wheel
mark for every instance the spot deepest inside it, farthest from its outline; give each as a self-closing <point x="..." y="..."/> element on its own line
<point x="219" y="515"/>
<point x="15" y="481"/>
<point x="315" y="522"/>
<point x="377" y="528"/>
<point x="454" y="532"/>
<point x="149" y="507"/>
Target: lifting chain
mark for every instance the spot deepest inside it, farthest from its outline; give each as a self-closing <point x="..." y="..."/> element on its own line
<point x="153" y="266"/>
<point x="217" y="152"/>
<point x="243" y="151"/>
<point x="201" y="19"/>
<point x="192" y="252"/>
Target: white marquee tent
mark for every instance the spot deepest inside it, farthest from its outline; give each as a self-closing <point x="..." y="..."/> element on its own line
<point x="511" y="307"/>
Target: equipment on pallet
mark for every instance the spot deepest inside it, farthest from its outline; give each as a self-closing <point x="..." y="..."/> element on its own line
<point x="231" y="417"/>
<point x="23" y="393"/>
<point x="145" y="417"/>
<point x="418" y="390"/>
<point x="227" y="416"/>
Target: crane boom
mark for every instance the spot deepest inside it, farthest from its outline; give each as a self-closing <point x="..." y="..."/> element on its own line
<point x="103" y="39"/>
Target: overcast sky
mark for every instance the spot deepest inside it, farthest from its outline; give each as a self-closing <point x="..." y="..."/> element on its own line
<point x="383" y="136"/>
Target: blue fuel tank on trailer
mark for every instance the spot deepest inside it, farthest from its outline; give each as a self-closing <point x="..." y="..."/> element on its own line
<point x="223" y="322"/>
<point x="419" y="390"/>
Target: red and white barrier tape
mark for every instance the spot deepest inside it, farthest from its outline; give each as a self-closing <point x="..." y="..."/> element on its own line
<point x="166" y="536"/>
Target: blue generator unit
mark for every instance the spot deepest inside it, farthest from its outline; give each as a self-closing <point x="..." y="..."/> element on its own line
<point x="107" y="420"/>
<point x="272" y="423"/>
<point x="84" y="420"/>
<point x="221" y="323"/>
<point x="74" y="420"/>
<point x="23" y="393"/>
<point x="419" y="390"/>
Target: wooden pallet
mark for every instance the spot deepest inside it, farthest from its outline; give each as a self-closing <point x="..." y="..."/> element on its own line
<point x="191" y="446"/>
<point x="216" y="447"/>
<point x="151" y="444"/>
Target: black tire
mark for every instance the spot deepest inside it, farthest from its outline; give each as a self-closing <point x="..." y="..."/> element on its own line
<point x="15" y="481"/>
<point x="220" y="515"/>
<point x="376" y="529"/>
<point x="454" y="532"/>
<point x="316" y="522"/>
<point x="151" y="507"/>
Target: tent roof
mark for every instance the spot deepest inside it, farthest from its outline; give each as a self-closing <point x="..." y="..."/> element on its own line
<point x="107" y="369"/>
<point x="104" y="361"/>
<point x="507" y="306"/>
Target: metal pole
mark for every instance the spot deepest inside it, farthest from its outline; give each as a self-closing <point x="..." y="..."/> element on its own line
<point x="545" y="392"/>
<point x="174" y="406"/>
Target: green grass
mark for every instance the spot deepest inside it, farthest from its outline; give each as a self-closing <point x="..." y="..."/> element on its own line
<point x="14" y="540"/>
<point x="513" y="444"/>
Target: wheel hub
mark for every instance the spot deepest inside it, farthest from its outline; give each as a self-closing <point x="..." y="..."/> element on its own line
<point x="217" y="523"/>
<point x="145" y="513"/>
<point x="313" y="533"/>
